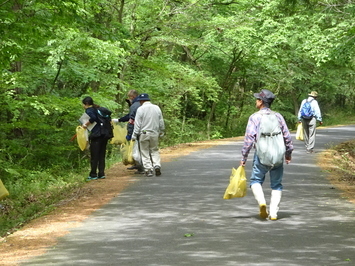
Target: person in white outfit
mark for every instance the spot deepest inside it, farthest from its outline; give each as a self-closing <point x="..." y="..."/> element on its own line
<point x="310" y="123"/>
<point x="148" y="127"/>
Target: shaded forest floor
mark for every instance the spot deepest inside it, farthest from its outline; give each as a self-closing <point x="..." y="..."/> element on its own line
<point x="42" y="233"/>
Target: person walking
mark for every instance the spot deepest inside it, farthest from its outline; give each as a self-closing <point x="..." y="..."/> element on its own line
<point x="134" y="104"/>
<point x="309" y="121"/>
<point x="148" y="127"/>
<point x="264" y="100"/>
<point x="97" y="142"/>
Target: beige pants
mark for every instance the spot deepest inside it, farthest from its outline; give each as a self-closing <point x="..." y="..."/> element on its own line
<point x="309" y="132"/>
<point x="149" y="150"/>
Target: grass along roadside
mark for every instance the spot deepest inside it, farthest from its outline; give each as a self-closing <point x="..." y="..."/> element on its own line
<point x="36" y="193"/>
<point x="339" y="163"/>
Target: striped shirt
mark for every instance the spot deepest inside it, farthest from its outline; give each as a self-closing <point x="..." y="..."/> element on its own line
<point x="252" y="131"/>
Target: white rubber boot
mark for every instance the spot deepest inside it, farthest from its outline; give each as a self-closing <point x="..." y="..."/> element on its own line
<point x="260" y="198"/>
<point x="274" y="204"/>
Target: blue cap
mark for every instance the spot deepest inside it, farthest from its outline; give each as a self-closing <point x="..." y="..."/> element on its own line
<point x="143" y="97"/>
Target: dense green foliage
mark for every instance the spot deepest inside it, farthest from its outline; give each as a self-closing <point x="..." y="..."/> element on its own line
<point x="200" y="61"/>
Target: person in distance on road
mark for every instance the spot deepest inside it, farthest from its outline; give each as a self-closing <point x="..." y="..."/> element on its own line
<point x="309" y="121"/>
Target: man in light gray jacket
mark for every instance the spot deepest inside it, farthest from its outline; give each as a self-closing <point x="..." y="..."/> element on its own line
<point x="309" y="123"/>
<point x="148" y="127"/>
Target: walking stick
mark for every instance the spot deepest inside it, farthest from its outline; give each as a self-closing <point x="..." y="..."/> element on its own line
<point x="140" y="153"/>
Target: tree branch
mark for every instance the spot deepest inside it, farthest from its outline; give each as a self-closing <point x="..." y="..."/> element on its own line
<point x="4" y="3"/>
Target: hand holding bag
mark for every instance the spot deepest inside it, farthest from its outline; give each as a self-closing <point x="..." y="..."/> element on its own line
<point x="237" y="187"/>
<point x="119" y="134"/>
<point x="299" y="132"/>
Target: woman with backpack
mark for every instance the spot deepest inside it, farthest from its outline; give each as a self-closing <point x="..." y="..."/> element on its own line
<point x="97" y="140"/>
<point x="308" y="115"/>
<point x="270" y="149"/>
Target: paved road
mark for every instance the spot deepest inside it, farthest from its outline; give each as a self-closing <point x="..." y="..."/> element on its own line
<point x="147" y="223"/>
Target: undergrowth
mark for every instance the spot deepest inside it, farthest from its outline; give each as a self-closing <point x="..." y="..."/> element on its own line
<point x="39" y="192"/>
<point x="344" y="159"/>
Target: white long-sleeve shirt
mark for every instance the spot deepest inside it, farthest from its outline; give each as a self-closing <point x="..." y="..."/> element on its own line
<point x="149" y="118"/>
<point x="315" y="108"/>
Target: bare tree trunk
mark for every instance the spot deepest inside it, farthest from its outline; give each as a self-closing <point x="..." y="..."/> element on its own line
<point x="184" y="113"/>
<point x="295" y="105"/>
<point x="213" y="108"/>
<point x="120" y="12"/>
<point x="57" y="75"/>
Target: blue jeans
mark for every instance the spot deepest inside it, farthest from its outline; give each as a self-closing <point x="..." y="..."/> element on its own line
<point x="260" y="170"/>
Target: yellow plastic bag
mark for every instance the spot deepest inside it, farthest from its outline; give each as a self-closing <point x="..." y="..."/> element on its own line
<point x="299" y="132"/>
<point x="119" y="134"/>
<point x="237" y="187"/>
<point x="82" y="137"/>
<point x="127" y="152"/>
<point x="3" y="191"/>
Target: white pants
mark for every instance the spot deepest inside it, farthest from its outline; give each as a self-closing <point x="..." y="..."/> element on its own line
<point x="149" y="150"/>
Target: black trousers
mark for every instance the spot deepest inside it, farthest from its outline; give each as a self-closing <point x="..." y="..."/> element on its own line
<point x="98" y="155"/>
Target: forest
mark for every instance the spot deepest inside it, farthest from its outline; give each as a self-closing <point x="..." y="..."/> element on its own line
<point x="199" y="60"/>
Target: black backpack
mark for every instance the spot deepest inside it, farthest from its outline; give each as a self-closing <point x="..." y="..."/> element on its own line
<point x="105" y="125"/>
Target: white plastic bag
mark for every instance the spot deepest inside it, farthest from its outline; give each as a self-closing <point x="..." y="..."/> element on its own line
<point x="136" y="152"/>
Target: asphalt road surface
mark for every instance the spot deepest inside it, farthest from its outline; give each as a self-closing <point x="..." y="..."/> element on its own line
<point x="180" y="218"/>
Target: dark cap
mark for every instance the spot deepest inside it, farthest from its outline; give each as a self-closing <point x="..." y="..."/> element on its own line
<point x="143" y="97"/>
<point x="265" y="95"/>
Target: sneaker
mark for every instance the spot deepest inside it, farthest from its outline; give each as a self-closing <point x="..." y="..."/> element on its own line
<point x="157" y="171"/>
<point x="102" y="177"/>
<point x="272" y="218"/>
<point x="149" y="173"/>
<point x="91" y="178"/>
<point x="263" y="213"/>
<point x="134" y="167"/>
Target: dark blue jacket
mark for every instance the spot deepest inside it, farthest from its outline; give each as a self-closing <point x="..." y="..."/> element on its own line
<point x="131" y="116"/>
<point x="92" y="112"/>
